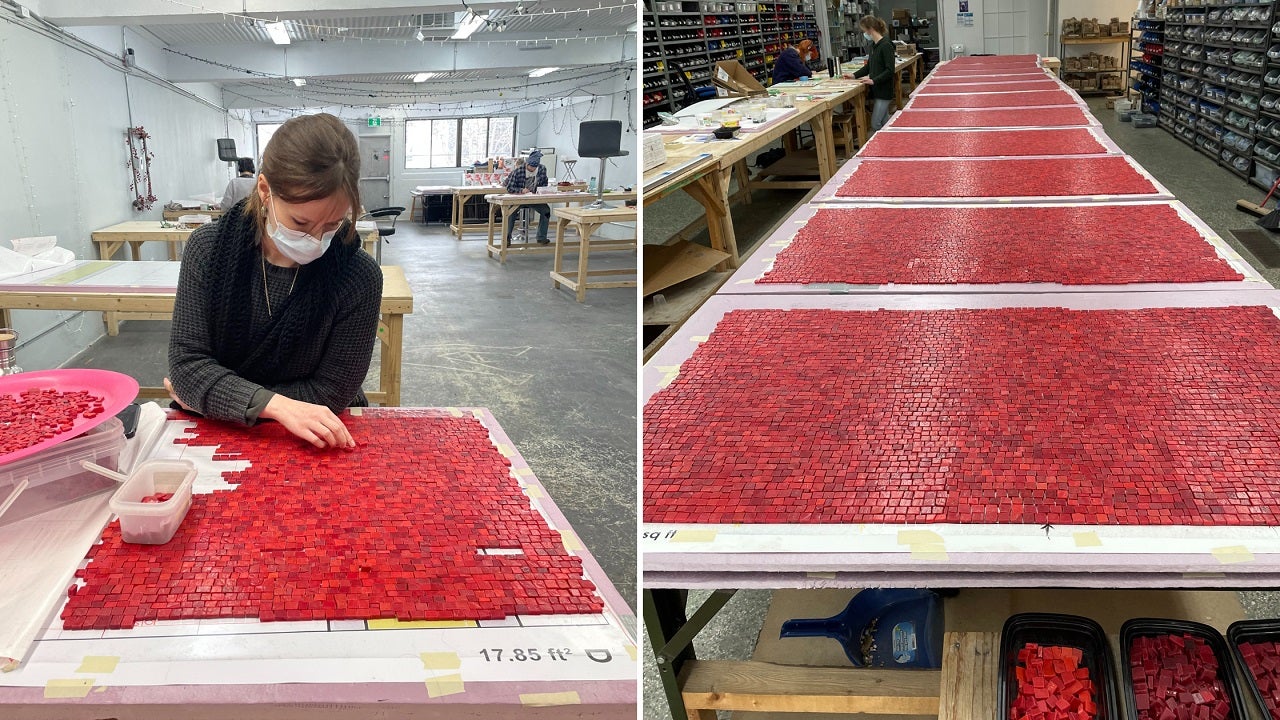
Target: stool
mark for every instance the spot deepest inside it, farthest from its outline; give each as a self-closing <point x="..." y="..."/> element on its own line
<point x="416" y="202"/>
<point x="842" y="127"/>
<point x="521" y="228"/>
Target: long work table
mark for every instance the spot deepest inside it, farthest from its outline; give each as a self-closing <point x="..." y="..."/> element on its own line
<point x="145" y="290"/>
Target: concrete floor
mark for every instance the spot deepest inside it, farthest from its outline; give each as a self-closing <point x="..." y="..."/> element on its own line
<point x="559" y="376"/>
<point x="1208" y="190"/>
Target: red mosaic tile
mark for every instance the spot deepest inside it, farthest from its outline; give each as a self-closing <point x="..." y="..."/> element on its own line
<point x="1052" y="685"/>
<point x="1019" y="415"/>
<point x="1176" y="676"/>
<point x="991" y="143"/>
<point x="393" y="529"/>
<point x="952" y="87"/>
<point x="36" y="415"/>
<point x="1036" y="98"/>
<point x="1262" y="663"/>
<point x="1027" y="117"/>
<point x="1018" y="177"/>
<point x="1080" y="245"/>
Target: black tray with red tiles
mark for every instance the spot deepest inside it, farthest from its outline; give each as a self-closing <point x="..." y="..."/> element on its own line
<point x="1156" y="627"/>
<point x="1252" y="631"/>
<point x="1053" y="629"/>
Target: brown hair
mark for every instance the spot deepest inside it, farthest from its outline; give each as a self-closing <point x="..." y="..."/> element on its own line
<point x="871" y="22"/>
<point x="310" y="157"/>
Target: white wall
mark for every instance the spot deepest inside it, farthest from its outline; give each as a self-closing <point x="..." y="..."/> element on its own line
<point x="972" y="37"/>
<point x="64" y="137"/>
<point x="559" y="129"/>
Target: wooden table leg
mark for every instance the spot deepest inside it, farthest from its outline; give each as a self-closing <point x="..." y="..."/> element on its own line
<point x="391" y="335"/>
<point x="824" y="145"/>
<point x="173" y="250"/>
<point x="457" y="215"/>
<point x="135" y="247"/>
<point x="744" y="180"/>
<point x="558" y="265"/>
<point x="719" y="223"/>
<point x="585" y="230"/>
<point x="897" y="89"/>
<point x="861" y="121"/>
<point x="6" y="318"/>
<point x="492" y="209"/>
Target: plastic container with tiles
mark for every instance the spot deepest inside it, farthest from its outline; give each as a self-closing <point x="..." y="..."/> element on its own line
<point x="1255" y="647"/>
<point x="1151" y="653"/>
<point x="146" y="522"/>
<point x="1050" y="630"/>
<point x="54" y="477"/>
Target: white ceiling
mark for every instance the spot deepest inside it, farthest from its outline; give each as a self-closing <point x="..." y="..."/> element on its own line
<point x="353" y="52"/>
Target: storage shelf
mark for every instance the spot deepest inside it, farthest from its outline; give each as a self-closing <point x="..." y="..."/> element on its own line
<point x="1112" y="40"/>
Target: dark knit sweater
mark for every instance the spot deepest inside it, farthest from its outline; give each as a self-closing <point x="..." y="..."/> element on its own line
<point x="881" y="61"/>
<point x="314" y="346"/>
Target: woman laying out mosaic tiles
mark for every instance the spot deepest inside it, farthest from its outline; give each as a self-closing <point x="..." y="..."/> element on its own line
<point x="273" y="319"/>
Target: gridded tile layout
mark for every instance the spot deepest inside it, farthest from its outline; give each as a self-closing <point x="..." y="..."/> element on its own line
<point x="935" y="87"/>
<point x="1027" y="117"/>
<point x="1030" y="98"/>
<point x="402" y="527"/>
<point x="990" y="143"/>
<point x="1022" y="177"/>
<point x="1072" y="245"/>
<point x="1017" y="415"/>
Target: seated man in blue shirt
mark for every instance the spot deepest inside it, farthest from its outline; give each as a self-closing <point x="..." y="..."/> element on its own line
<point x="527" y="179"/>
<point x="790" y="64"/>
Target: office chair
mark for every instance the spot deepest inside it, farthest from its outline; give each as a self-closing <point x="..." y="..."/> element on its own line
<point x="600" y="139"/>
<point x="386" y="228"/>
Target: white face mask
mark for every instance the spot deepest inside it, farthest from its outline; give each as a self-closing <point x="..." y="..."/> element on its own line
<point x="867" y="35"/>
<point x="296" y="245"/>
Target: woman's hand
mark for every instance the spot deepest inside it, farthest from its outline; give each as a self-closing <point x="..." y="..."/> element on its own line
<point x="314" y="423"/>
<point x="173" y="394"/>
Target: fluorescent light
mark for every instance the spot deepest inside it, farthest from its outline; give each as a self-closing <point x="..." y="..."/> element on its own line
<point x="539" y="72"/>
<point x="470" y="23"/>
<point x="419" y="36"/>
<point x="299" y="81"/>
<point x="423" y="77"/>
<point x="279" y="35"/>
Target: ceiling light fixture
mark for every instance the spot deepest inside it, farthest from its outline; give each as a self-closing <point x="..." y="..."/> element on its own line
<point x="279" y="35"/>
<point x="424" y="76"/>
<point x="539" y="72"/>
<point x="470" y="23"/>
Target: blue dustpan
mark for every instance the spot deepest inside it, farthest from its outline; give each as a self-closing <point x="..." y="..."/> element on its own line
<point x="883" y="628"/>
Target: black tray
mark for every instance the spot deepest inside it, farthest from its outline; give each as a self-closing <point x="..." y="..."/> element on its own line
<point x="1251" y="631"/>
<point x="1063" y="630"/>
<point x="1146" y="627"/>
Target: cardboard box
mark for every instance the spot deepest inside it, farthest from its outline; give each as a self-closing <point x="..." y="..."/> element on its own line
<point x="655" y="151"/>
<point x="1089" y="27"/>
<point x="906" y="50"/>
<point x="733" y="80"/>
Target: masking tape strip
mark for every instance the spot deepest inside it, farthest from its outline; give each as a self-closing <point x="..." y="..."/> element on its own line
<point x="523" y="472"/>
<point x="923" y="544"/>
<point x="821" y="575"/>
<point x="98" y="664"/>
<point x="534" y="491"/>
<point x="699" y="338"/>
<point x="1087" y="539"/>
<point x="390" y="624"/>
<point x="506" y="450"/>
<point x="478" y="414"/>
<point x="440" y="660"/>
<point x="571" y="541"/>
<point x="693" y="536"/>
<point x="355" y="411"/>
<point x="73" y="688"/>
<point x="455" y="412"/>
<point x="631" y="650"/>
<point x="444" y="685"/>
<point x="669" y="373"/>
<point x="549" y="699"/>
<point x="1232" y="554"/>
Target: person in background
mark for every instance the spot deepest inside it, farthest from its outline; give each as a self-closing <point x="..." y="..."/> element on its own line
<point x="240" y="186"/>
<point x="277" y="307"/>
<point x="879" y="71"/>
<point x="790" y="64"/>
<point x="527" y="179"/>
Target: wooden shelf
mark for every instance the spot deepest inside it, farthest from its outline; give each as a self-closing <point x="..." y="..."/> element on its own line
<point x="1112" y="40"/>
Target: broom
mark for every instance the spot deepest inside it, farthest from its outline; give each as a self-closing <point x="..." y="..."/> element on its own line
<point x="1267" y="219"/>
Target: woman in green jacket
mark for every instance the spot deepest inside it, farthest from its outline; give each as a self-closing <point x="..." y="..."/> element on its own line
<point x="878" y="72"/>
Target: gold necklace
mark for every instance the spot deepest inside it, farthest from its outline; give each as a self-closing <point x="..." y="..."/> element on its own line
<point x="265" y="292"/>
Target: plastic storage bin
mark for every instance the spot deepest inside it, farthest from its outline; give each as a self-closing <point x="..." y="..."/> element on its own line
<point x="1061" y="630"/>
<point x="1252" y="631"/>
<point x="154" y="523"/>
<point x="1144" y="120"/>
<point x="53" y="478"/>
<point x="1149" y="627"/>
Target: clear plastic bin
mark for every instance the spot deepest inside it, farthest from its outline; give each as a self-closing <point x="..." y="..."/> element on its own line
<point x="154" y="523"/>
<point x="53" y="478"/>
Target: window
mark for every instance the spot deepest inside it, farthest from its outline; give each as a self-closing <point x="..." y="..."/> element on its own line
<point x="457" y="142"/>
<point x="265" y="131"/>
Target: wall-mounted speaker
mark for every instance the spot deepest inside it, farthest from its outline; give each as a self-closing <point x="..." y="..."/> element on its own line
<point x="227" y="150"/>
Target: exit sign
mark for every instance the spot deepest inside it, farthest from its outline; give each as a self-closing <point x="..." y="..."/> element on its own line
<point x="375" y="122"/>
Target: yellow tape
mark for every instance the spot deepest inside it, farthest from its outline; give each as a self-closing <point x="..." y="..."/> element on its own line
<point x="1232" y="554"/>
<point x="699" y="338"/>
<point x="533" y="491"/>
<point x="523" y="472"/>
<point x="98" y="664"/>
<point x="549" y="699"/>
<point x="506" y="450"/>
<point x="669" y="373"/>
<point x="440" y="660"/>
<point x="479" y="415"/>
<point x="631" y="650"/>
<point x="78" y="273"/>
<point x="454" y="412"/>
<point x="1087" y="539"/>
<point x="821" y="575"/>
<point x="444" y="685"/>
<point x="387" y="624"/>
<point x="924" y="544"/>
<point x="356" y="412"/>
<point x="693" y="536"/>
<point x="100" y="688"/>
<point x="74" y="688"/>
<point x="571" y="541"/>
